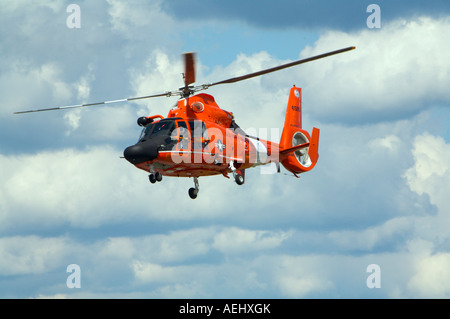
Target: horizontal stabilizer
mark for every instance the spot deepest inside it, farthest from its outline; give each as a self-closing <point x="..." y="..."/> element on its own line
<point x="294" y="148"/>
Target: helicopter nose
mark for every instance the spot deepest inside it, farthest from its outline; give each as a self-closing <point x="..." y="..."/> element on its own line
<point x="141" y="152"/>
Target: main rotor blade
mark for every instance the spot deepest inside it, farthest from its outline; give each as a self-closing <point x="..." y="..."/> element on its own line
<point x="189" y="68"/>
<point x="98" y="103"/>
<point x="189" y="78"/>
<point x="281" y="67"/>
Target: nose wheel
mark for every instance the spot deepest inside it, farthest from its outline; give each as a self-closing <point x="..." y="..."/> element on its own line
<point x="193" y="191"/>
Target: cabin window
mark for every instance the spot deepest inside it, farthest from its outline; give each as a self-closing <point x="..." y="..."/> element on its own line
<point x="183" y="135"/>
<point x="199" y="134"/>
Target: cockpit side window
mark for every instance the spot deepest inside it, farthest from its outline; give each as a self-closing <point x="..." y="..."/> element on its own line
<point x="145" y="132"/>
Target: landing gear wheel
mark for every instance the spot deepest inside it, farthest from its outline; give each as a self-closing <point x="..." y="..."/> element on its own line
<point x="158" y="176"/>
<point x="152" y="178"/>
<point x="239" y="179"/>
<point x="193" y="193"/>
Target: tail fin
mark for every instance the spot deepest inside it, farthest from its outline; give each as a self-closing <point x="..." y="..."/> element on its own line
<point x="293" y="119"/>
<point x="298" y="150"/>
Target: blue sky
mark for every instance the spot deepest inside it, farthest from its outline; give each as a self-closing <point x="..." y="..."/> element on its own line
<point x="378" y="194"/>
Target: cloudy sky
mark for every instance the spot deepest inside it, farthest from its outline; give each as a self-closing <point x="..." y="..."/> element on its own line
<point x="378" y="195"/>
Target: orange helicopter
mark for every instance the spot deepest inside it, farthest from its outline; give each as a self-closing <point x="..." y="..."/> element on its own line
<point x="198" y="138"/>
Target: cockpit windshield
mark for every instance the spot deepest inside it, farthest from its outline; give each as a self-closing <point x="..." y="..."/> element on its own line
<point x="163" y="128"/>
<point x="160" y="128"/>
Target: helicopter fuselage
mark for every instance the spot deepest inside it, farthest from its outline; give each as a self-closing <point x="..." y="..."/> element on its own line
<point x="197" y="138"/>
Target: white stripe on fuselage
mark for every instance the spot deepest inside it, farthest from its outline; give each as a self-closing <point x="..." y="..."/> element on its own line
<point x="204" y="153"/>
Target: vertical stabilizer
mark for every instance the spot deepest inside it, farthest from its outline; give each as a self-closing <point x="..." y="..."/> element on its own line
<point x="293" y="119"/>
<point x="299" y="151"/>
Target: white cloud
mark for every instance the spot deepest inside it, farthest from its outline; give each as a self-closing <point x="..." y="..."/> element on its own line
<point x="127" y="16"/>
<point x="45" y="80"/>
<point x="430" y="175"/>
<point x="24" y="4"/>
<point x="31" y="254"/>
<point x="390" y="142"/>
<point x="431" y="170"/>
<point x="201" y="280"/>
<point x="234" y="240"/>
<point x="83" y="86"/>
<point x="432" y="276"/>
<point x="182" y="245"/>
<point x="160" y="74"/>
<point x="370" y="238"/>
<point x="56" y="296"/>
<point x="51" y="188"/>
<point x="176" y="246"/>
<point x="299" y="277"/>
<point x="73" y="120"/>
<point x="143" y="25"/>
<point x="394" y="72"/>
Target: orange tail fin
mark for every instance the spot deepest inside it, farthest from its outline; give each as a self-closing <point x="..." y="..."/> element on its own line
<point x="298" y="150"/>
